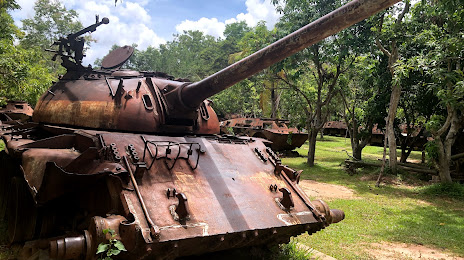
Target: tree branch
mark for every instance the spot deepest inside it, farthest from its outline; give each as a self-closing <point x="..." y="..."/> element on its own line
<point x="377" y="41"/>
<point x="405" y="11"/>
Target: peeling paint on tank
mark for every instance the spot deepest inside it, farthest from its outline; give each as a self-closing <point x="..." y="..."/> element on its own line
<point x="291" y="218"/>
<point x="204" y="227"/>
<point x="78" y="113"/>
<point x="188" y="183"/>
<point x="264" y="180"/>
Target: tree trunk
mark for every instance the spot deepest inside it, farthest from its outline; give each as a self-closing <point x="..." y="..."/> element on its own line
<point x="312" y="146"/>
<point x="443" y="163"/>
<point x="384" y="158"/>
<point x="393" y="56"/>
<point x="357" y="152"/>
<point x="444" y="147"/>
<point x="356" y="148"/>
<point x="404" y="155"/>
<point x="394" y="99"/>
<point x="273" y="102"/>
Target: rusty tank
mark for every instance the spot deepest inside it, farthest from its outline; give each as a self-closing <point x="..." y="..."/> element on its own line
<point x="139" y="153"/>
<point x="14" y="113"/>
<point x="280" y="136"/>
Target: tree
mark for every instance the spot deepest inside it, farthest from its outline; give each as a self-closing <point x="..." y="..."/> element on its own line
<point x="50" y="22"/>
<point x="364" y="99"/>
<point x="190" y="55"/>
<point x="439" y="28"/>
<point x="22" y="73"/>
<point x="314" y="73"/>
<point x="415" y="108"/>
<point x="391" y="30"/>
<point x="255" y="39"/>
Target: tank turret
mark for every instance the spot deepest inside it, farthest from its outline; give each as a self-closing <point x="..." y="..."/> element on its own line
<point x="155" y="103"/>
<point x="138" y="153"/>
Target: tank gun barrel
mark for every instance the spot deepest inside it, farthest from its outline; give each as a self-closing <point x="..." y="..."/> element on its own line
<point x="192" y="95"/>
<point x="72" y="47"/>
<point x="90" y="28"/>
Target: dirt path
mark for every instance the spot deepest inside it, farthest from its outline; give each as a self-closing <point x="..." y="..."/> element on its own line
<point x="388" y="250"/>
<point x="319" y="190"/>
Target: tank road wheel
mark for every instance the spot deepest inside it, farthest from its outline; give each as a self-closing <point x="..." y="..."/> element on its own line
<point x="22" y="213"/>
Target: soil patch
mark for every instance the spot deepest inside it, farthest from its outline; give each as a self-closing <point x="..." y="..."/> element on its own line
<point x="411" y="182"/>
<point x="388" y="250"/>
<point x="320" y="190"/>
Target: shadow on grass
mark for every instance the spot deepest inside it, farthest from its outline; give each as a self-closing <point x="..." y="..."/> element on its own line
<point x="364" y="183"/>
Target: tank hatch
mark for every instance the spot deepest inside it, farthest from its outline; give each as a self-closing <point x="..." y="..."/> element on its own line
<point x="117" y="57"/>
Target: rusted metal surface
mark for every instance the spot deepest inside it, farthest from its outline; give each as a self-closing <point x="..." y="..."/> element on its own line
<point x="14" y="113"/>
<point x="117" y="58"/>
<point x="139" y="153"/>
<point x="336" y="128"/>
<point x="229" y="200"/>
<point x="124" y="103"/>
<point x="274" y="130"/>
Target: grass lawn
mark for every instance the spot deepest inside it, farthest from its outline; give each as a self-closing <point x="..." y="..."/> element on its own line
<point x="396" y="212"/>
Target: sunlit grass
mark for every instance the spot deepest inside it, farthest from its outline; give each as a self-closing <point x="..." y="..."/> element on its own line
<point x="392" y="213"/>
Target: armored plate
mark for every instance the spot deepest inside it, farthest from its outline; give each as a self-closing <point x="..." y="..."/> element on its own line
<point x="117" y="57"/>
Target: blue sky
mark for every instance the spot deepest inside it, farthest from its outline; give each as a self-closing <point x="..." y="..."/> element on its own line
<point x="153" y="22"/>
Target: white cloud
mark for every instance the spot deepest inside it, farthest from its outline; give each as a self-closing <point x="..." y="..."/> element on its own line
<point x="130" y="22"/>
<point x="128" y="25"/>
<point x="134" y="11"/>
<point x="208" y="26"/>
<point x="257" y="10"/>
<point x="26" y="11"/>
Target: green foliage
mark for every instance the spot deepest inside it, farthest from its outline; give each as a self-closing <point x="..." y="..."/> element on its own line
<point x="23" y="75"/>
<point x="437" y="51"/>
<point x="51" y="21"/>
<point x="289" y="138"/>
<point x="432" y="150"/>
<point x="435" y="122"/>
<point x="230" y="130"/>
<point x="241" y="99"/>
<point x="191" y="55"/>
<point x="448" y="190"/>
<point x="292" y="251"/>
<point x="112" y="248"/>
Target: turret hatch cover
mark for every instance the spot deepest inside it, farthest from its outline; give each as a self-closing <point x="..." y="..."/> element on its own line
<point x="117" y="57"/>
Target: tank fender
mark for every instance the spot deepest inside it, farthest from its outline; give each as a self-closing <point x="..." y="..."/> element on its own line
<point x="57" y="182"/>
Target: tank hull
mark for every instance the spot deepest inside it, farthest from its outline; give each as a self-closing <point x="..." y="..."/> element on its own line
<point x="164" y="196"/>
<point x="15" y="112"/>
<point x="281" y="137"/>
